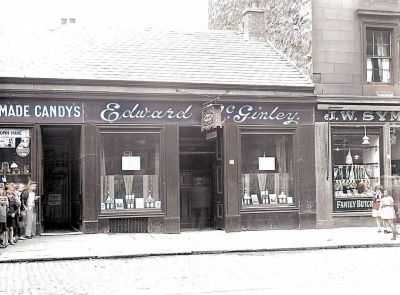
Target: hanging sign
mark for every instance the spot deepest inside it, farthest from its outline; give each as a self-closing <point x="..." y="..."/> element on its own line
<point x="23" y="149"/>
<point x="212" y="133"/>
<point x="211" y="117"/>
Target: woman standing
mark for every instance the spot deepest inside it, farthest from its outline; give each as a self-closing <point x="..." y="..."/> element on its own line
<point x="30" y="227"/>
<point x="387" y="212"/>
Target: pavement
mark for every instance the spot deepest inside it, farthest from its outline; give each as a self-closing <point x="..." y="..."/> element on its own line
<point x="101" y="246"/>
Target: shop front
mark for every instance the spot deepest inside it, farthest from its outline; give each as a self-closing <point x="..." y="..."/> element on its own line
<point x="122" y="165"/>
<point x="357" y="151"/>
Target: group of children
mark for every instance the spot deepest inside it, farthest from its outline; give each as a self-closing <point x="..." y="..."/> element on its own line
<point x="383" y="209"/>
<point x="17" y="212"/>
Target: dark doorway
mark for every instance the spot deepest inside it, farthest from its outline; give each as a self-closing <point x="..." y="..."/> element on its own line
<point x="197" y="189"/>
<point x="61" y="204"/>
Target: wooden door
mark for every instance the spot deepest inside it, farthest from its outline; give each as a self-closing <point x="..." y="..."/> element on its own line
<point x="56" y="183"/>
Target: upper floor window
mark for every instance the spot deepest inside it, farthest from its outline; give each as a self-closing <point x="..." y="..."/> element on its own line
<point x="379" y="58"/>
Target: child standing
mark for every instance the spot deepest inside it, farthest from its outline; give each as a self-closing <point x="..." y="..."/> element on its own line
<point x="387" y="212"/>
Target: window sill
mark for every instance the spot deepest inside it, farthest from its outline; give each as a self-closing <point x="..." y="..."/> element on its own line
<point x="130" y="213"/>
<point x="268" y="208"/>
<point x="352" y="214"/>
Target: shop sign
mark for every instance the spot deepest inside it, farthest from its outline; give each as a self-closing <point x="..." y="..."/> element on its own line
<point x="359" y="116"/>
<point x="353" y="204"/>
<point x="40" y="111"/>
<point x="151" y="111"/>
<point x="211" y="117"/>
<point x="183" y="113"/>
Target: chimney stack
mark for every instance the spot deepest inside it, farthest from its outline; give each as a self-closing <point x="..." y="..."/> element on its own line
<point x="253" y="22"/>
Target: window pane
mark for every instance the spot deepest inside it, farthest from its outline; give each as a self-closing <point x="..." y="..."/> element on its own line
<point x="369" y="75"/>
<point x="370" y="50"/>
<point x="378" y="38"/>
<point x="386" y="37"/>
<point x="370" y="39"/>
<point x="267" y="170"/>
<point x="378" y="70"/>
<point x="385" y="50"/>
<point x="130" y="171"/>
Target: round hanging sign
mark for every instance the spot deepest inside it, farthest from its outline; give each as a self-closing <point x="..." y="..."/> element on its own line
<point x="23" y="151"/>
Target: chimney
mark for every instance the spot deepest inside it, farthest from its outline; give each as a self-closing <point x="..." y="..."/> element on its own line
<point x="253" y="22"/>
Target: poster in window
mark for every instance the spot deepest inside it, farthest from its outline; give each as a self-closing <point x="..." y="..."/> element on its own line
<point x="266" y="163"/>
<point x="119" y="204"/>
<point x="254" y="199"/>
<point x="273" y="199"/>
<point x="7" y="142"/>
<point x="130" y="163"/>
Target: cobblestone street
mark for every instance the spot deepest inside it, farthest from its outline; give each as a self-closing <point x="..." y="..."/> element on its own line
<point x="326" y="271"/>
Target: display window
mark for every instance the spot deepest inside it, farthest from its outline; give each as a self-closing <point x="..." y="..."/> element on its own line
<point x="15" y="156"/>
<point x="267" y="170"/>
<point x="130" y="168"/>
<point x="356" y="167"/>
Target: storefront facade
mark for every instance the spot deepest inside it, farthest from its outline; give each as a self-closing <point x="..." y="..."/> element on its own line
<point x="129" y="164"/>
<point x="356" y="151"/>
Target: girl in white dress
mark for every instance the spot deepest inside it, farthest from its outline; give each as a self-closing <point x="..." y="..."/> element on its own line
<point x="387" y="212"/>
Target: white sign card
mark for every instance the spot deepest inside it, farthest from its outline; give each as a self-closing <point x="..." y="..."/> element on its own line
<point x="273" y="199"/>
<point x="7" y="142"/>
<point x="254" y="199"/>
<point x="119" y="204"/>
<point x="14" y="132"/>
<point x="139" y="203"/>
<point x="266" y="163"/>
<point x="130" y="163"/>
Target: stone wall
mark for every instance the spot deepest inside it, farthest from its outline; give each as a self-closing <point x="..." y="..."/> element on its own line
<point x="287" y="25"/>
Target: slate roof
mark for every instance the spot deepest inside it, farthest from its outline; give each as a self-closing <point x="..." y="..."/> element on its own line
<point x="212" y="57"/>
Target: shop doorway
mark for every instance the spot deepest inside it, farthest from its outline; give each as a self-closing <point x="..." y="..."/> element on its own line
<point x="61" y="202"/>
<point x="198" y="180"/>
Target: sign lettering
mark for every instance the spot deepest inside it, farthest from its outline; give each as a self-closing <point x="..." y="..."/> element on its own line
<point x="358" y="116"/>
<point x="150" y="111"/>
<point x="353" y="204"/>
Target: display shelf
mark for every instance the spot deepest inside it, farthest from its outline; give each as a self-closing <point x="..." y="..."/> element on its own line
<point x="18" y="174"/>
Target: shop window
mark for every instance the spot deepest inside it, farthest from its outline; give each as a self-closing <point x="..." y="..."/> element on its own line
<point x="130" y="166"/>
<point x="379" y="43"/>
<point x="267" y="170"/>
<point x="15" y="156"/>
<point x="356" y="167"/>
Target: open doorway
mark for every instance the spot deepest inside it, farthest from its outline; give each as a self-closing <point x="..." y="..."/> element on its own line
<point x="197" y="179"/>
<point x="61" y="203"/>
